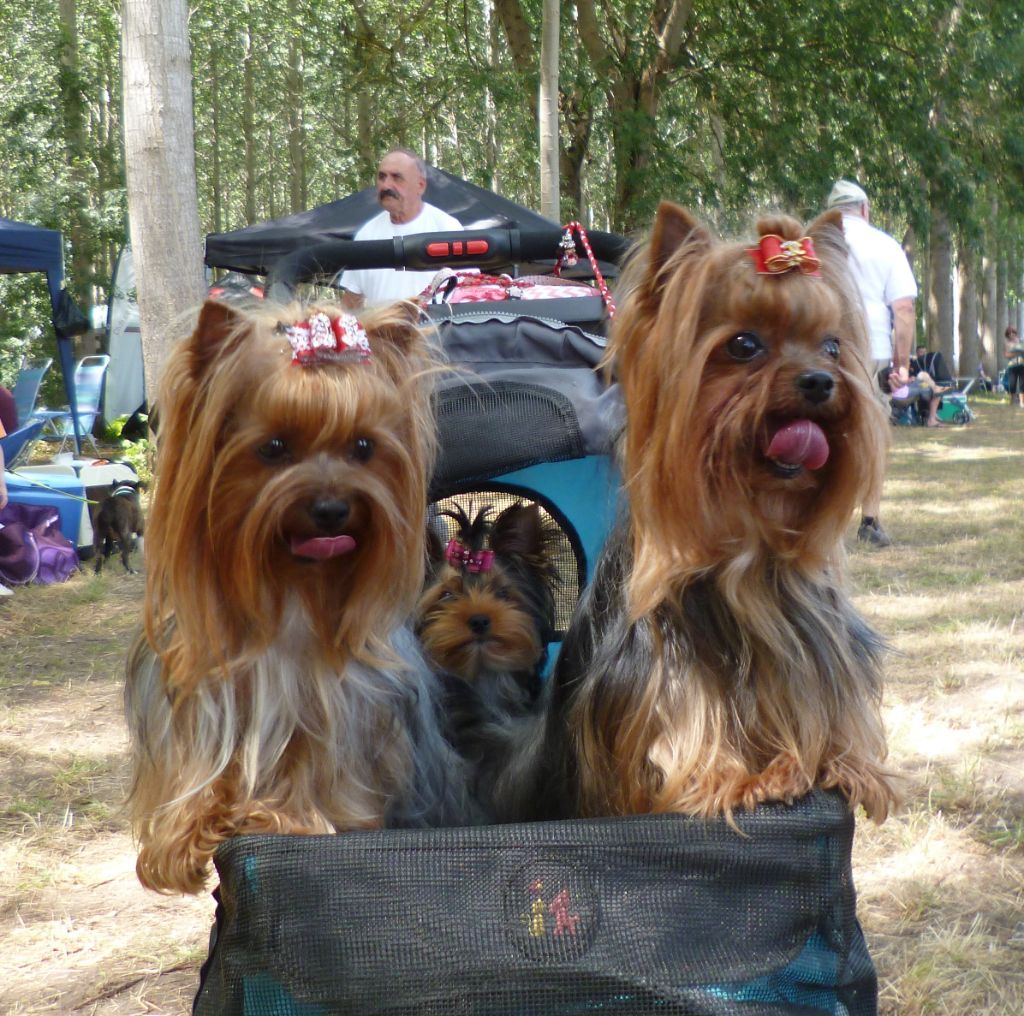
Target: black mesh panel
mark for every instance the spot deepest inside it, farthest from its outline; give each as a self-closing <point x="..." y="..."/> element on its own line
<point x="641" y="916"/>
<point x="524" y="424"/>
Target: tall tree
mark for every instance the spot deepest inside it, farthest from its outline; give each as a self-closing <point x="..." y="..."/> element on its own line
<point x="547" y="111"/>
<point x="160" y="160"/>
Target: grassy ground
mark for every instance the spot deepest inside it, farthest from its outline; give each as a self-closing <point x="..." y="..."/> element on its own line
<point x="941" y="885"/>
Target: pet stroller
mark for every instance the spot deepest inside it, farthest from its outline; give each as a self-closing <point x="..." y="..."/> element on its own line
<point x="954" y="407"/>
<point x="640" y="915"/>
<point x="909" y="405"/>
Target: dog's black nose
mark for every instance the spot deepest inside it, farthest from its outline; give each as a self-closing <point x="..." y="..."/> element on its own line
<point x="479" y="624"/>
<point x="329" y="515"/>
<point x="816" y="385"/>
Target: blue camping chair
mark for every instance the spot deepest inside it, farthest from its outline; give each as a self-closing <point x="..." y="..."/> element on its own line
<point x="16" y="444"/>
<point x="89" y="377"/>
<point x="26" y="389"/>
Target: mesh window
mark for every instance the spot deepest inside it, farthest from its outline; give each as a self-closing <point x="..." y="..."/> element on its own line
<point x="525" y="424"/>
<point x="658" y="915"/>
<point x="568" y="554"/>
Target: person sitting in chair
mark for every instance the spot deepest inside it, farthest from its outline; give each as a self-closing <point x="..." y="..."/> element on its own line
<point x="921" y="391"/>
<point x="928" y="370"/>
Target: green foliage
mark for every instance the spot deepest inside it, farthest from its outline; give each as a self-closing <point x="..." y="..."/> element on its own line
<point x="758" y="105"/>
<point x="139" y="454"/>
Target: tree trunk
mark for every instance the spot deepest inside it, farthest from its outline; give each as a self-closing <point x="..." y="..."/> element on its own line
<point x="73" y="114"/>
<point x="364" y="119"/>
<point x="1002" y="304"/>
<point x="160" y="160"/>
<point x="940" y="286"/>
<point x="492" y="140"/>
<point x="294" y="102"/>
<point x="249" y="120"/>
<point x="547" y="112"/>
<point x="991" y="334"/>
<point x="633" y="70"/>
<point x="968" y="330"/>
<point x="1015" y="315"/>
<point x="215" y="170"/>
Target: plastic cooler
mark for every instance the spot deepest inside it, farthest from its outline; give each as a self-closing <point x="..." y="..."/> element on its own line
<point x="68" y="486"/>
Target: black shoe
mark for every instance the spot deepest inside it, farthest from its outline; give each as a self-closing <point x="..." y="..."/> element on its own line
<point x="871" y="532"/>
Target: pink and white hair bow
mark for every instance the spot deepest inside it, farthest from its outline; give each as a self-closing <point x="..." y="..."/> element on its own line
<point x="458" y="555"/>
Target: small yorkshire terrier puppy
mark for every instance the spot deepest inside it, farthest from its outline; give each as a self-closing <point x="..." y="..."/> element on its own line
<point x="484" y="622"/>
<point x="716" y="661"/>
<point x="119" y="518"/>
<point x="488" y="613"/>
<point x="277" y="688"/>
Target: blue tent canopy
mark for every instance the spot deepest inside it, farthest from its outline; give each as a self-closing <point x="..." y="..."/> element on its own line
<point x="26" y="248"/>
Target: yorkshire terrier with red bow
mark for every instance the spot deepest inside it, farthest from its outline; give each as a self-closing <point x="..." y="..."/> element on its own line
<point x="278" y="688"/>
<point x="716" y="661"/>
<point x="484" y="621"/>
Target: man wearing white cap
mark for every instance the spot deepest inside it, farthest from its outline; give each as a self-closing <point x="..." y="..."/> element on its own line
<point x="888" y="290"/>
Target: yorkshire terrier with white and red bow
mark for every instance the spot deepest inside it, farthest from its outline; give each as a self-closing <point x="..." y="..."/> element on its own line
<point x="716" y="661"/>
<point x="278" y="687"/>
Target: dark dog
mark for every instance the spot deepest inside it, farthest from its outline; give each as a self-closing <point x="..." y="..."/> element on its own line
<point x="119" y="518"/>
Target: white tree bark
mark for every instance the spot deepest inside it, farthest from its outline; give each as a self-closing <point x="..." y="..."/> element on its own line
<point x="160" y="170"/>
<point x="547" y="113"/>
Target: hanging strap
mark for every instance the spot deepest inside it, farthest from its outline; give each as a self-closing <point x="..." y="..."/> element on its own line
<point x="569" y="257"/>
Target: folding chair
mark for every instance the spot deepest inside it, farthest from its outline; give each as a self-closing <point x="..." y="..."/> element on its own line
<point x="26" y="389"/>
<point x="89" y="375"/>
<point x="16" y="444"/>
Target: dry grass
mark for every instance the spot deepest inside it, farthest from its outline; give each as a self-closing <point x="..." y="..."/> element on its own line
<point x="941" y="885"/>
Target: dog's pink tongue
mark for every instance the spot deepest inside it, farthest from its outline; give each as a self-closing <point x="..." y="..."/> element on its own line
<point x="320" y="548"/>
<point x="800" y="443"/>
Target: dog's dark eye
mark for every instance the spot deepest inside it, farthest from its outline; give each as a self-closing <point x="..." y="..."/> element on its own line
<point x="362" y="449"/>
<point x="446" y="596"/>
<point x="744" y="347"/>
<point x="502" y="593"/>
<point x="274" y="451"/>
<point x="830" y="347"/>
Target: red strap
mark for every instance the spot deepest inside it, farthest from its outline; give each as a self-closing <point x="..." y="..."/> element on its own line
<point x="580" y="231"/>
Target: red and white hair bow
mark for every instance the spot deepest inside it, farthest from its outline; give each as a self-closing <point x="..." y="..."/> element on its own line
<point x="323" y="339"/>
<point x="774" y="256"/>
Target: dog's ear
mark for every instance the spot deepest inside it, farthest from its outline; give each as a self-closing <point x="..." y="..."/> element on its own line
<point x="435" y="552"/>
<point x="518" y="530"/>
<point x="218" y="324"/>
<point x="827" y="233"/>
<point x="674" y="226"/>
<point x="397" y="342"/>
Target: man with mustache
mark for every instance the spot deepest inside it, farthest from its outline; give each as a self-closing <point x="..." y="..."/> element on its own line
<point x="401" y="181"/>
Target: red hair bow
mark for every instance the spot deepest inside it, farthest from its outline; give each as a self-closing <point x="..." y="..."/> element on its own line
<point x="774" y="256"/>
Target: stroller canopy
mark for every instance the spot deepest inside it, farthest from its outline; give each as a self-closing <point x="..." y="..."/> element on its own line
<point x="27" y="248"/>
<point x="255" y="248"/>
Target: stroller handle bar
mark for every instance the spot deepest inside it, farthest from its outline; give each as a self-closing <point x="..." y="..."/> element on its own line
<point x="477" y="248"/>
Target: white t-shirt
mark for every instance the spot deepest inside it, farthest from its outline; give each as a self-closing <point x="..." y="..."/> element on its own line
<point x="386" y="285"/>
<point x="883" y="275"/>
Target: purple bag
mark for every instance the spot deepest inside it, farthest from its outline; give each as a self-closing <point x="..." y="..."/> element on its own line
<point x="32" y="547"/>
